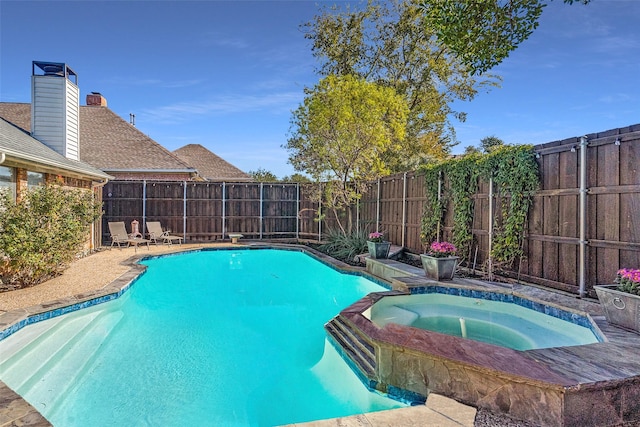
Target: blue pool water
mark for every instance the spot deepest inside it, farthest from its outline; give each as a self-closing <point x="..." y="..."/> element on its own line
<point x="215" y="338"/>
<point x="494" y="322"/>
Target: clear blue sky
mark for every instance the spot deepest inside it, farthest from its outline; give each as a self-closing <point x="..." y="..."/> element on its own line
<point x="227" y="74"/>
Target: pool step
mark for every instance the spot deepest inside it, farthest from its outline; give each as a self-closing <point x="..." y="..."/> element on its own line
<point x="79" y="361"/>
<point x="53" y="370"/>
<point x="36" y="343"/>
<point x="356" y="347"/>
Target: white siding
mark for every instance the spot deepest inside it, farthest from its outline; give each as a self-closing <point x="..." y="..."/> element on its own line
<point x="73" y="121"/>
<point x="55" y="114"/>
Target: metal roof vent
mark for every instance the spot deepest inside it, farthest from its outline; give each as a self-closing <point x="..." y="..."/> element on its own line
<point x="57" y="69"/>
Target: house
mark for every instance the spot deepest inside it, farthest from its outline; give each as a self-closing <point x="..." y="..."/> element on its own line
<point x="109" y="143"/>
<point x="93" y="133"/>
<point x="93" y="144"/>
<point x="27" y="160"/>
<point x="103" y="139"/>
<point x="210" y="167"/>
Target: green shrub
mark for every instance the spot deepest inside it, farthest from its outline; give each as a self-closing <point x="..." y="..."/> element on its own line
<point x="43" y="232"/>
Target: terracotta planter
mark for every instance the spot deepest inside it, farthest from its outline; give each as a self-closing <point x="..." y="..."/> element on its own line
<point x="439" y="268"/>
<point x="378" y="250"/>
<point x="620" y="308"/>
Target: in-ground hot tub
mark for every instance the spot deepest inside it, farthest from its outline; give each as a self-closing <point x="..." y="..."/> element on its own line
<point x="489" y="317"/>
<point x="566" y="385"/>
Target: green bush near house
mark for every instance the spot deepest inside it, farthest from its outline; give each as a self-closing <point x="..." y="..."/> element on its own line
<point x="43" y="232"/>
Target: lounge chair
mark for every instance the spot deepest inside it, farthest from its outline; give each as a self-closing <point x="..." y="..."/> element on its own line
<point x="155" y="233"/>
<point x="119" y="236"/>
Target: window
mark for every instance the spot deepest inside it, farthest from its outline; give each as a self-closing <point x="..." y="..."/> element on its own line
<point x="7" y="180"/>
<point x="34" y="179"/>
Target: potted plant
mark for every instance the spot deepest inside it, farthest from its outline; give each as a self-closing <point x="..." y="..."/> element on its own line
<point x="440" y="262"/>
<point x="621" y="301"/>
<point x="378" y="247"/>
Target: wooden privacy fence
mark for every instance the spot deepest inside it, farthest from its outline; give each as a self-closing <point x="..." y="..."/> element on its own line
<point x="204" y="212"/>
<point x="583" y="226"/>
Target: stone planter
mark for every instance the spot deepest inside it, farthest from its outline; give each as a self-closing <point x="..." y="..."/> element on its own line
<point x="439" y="268"/>
<point x="378" y="250"/>
<point x="620" y="308"/>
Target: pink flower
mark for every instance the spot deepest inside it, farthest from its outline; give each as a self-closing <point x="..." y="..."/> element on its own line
<point x="628" y="280"/>
<point x="629" y="274"/>
<point x="376" y="237"/>
<point x="442" y="249"/>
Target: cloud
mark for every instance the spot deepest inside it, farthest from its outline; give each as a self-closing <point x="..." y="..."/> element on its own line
<point x="221" y="40"/>
<point x="230" y="104"/>
<point x="167" y="84"/>
<point x="614" y="98"/>
<point x="616" y="44"/>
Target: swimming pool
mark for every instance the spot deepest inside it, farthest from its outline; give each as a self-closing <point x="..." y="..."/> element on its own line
<point x="228" y="337"/>
<point x="483" y="319"/>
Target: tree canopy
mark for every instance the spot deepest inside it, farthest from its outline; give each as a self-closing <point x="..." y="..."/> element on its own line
<point x="482" y="33"/>
<point x="345" y="132"/>
<point x="388" y="43"/>
<point x="263" y="175"/>
<point x="490" y="143"/>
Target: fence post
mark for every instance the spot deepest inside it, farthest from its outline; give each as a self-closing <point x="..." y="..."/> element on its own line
<point x="320" y="214"/>
<point x="439" y="199"/>
<point x="144" y="203"/>
<point x="184" y="211"/>
<point x="224" y="209"/>
<point x="404" y="208"/>
<point x="261" y="213"/>
<point x="297" y="211"/>
<point x="357" y="211"/>
<point x="378" y="208"/>
<point x="489" y="257"/>
<point x="583" y="214"/>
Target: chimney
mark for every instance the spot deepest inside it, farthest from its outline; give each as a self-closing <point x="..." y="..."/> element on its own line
<point x="96" y="98"/>
<point x="55" y="107"/>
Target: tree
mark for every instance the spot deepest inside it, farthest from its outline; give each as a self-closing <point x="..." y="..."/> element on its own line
<point x="387" y="43"/>
<point x="490" y="143"/>
<point x="343" y="133"/>
<point x="470" y="150"/>
<point x="482" y="33"/>
<point x="263" y="175"/>
<point x="296" y="177"/>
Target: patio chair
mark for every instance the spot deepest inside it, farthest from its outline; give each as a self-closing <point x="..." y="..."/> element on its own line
<point x="155" y="233"/>
<point x="119" y="236"/>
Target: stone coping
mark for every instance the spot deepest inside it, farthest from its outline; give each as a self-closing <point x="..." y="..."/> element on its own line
<point x="438" y="411"/>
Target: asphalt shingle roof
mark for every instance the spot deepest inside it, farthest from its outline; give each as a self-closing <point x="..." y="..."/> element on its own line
<point x="210" y="166"/>
<point x="19" y="145"/>
<point x="107" y="141"/>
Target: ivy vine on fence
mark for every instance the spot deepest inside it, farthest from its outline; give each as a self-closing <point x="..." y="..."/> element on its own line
<point x="515" y="175"/>
<point x="516" y="178"/>
<point x="463" y="176"/>
<point x="433" y="211"/>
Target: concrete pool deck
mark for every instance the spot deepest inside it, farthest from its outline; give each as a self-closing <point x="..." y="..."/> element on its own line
<point x="107" y="271"/>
